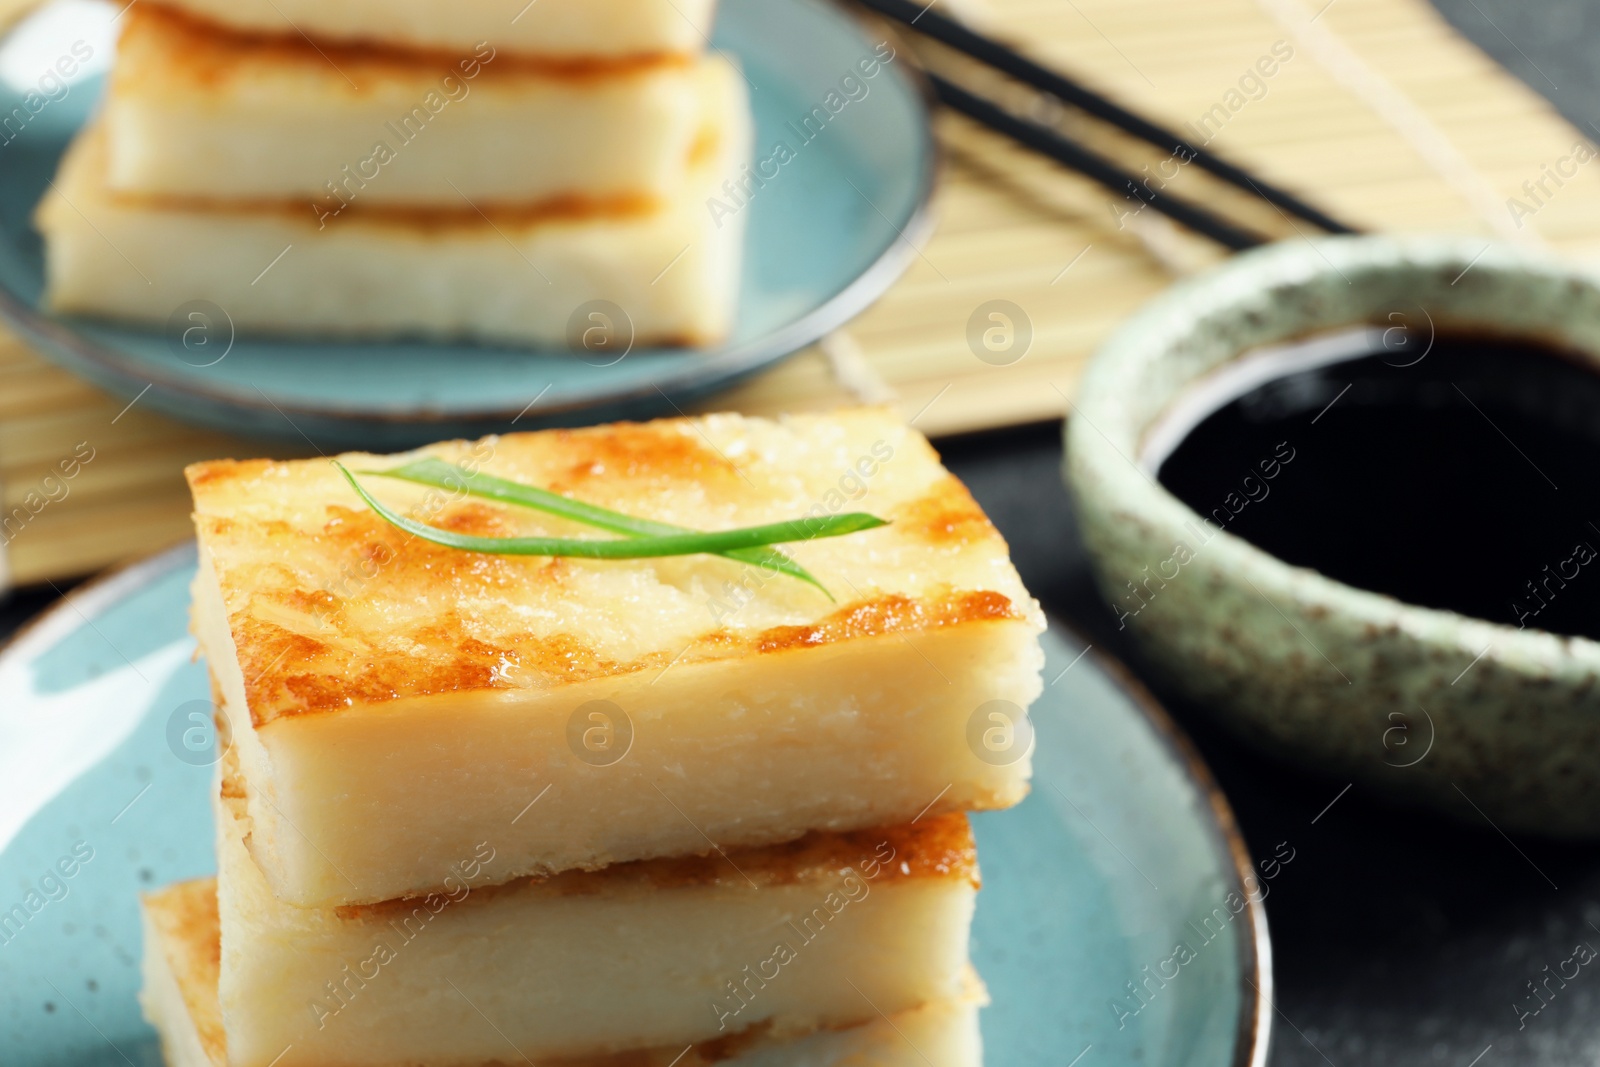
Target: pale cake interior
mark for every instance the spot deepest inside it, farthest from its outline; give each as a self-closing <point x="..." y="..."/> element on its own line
<point x="181" y="956"/>
<point x="458" y="676"/>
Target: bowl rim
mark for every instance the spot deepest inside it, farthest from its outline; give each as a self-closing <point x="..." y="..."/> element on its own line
<point x="1099" y="445"/>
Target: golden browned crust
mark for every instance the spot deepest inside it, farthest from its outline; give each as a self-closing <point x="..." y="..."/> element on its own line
<point x="213" y="55"/>
<point x="936" y="847"/>
<point x="330" y="607"/>
<point x="431" y="219"/>
<point x="455" y="664"/>
<point x="185" y="919"/>
<point x="888" y="615"/>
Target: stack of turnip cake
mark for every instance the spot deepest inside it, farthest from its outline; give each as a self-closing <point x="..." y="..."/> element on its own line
<point x="448" y="170"/>
<point x="509" y="809"/>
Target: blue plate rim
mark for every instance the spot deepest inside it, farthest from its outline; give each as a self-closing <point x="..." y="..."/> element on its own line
<point x="1254" y="1034"/>
<point x="113" y="370"/>
<point x="1254" y="1026"/>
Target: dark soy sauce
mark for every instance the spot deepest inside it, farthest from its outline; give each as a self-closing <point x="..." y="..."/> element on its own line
<point x="1465" y="475"/>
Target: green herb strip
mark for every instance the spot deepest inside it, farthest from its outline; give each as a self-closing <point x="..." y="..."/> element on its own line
<point x="648" y="547"/>
<point x="438" y="474"/>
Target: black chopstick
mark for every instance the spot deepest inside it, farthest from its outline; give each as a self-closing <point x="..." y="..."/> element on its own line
<point x="991" y="52"/>
<point x="1049" y="142"/>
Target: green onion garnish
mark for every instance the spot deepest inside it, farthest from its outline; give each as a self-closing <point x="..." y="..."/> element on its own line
<point x="441" y="475"/>
<point x="638" y="547"/>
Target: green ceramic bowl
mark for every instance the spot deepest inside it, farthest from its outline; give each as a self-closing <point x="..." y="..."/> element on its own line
<point x="1482" y="720"/>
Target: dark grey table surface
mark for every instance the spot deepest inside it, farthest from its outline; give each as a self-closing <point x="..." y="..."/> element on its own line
<point x="1399" y="939"/>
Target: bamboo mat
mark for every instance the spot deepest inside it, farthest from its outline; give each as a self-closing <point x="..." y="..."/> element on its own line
<point x="1381" y="114"/>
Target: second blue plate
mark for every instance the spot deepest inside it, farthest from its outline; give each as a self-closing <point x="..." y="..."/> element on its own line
<point x="824" y="242"/>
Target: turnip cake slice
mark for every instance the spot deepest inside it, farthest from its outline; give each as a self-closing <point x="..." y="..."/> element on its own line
<point x="394" y="702"/>
<point x="818" y="933"/>
<point x="656" y="270"/>
<point x="193" y="112"/>
<point x="182" y="954"/>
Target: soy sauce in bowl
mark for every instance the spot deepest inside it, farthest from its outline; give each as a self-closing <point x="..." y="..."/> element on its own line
<point x="1456" y="471"/>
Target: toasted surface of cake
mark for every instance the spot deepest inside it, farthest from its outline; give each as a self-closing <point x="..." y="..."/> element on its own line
<point x="181" y="964"/>
<point x="391" y="699"/>
<point x="659" y="953"/>
<point x="197" y="113"/>
<point x="182" y="958"/>
<point x="567" y="29"/>
<point x="519" y="275"/>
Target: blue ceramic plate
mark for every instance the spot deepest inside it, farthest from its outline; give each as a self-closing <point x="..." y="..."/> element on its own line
<point x="825" y="240"/>
<point x="1123" y="869"/>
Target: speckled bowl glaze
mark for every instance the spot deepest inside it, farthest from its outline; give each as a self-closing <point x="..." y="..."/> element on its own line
<point x="1482" y="720"/>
